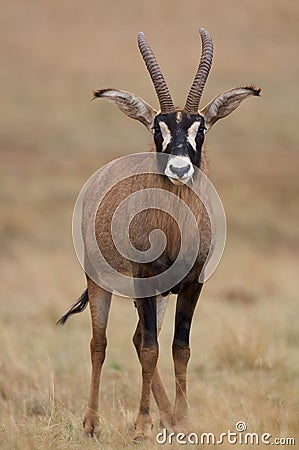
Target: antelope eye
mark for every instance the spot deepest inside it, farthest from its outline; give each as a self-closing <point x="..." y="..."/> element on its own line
<point x="202" y="130"/>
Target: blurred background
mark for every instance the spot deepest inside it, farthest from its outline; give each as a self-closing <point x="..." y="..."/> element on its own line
<point x="245" y="362"/>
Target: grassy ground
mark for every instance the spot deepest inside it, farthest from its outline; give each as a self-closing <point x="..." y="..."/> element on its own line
<point x="245" y="361"/>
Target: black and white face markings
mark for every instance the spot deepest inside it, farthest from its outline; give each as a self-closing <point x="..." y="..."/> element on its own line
<point x="181" y="136"/>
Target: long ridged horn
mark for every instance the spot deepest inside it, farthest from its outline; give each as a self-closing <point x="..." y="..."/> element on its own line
<point x="164" y="97"/>
<point x="194" y="96"/>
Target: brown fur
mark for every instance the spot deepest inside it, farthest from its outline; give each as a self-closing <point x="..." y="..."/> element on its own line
<point x="147" y="221"/>
<point x="188" y="289"/>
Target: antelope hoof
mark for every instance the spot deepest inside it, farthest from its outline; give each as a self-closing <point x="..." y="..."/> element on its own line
<point x="143" y="431"/>
<point x="140" y="437"/>
<point x="91" y="426"/>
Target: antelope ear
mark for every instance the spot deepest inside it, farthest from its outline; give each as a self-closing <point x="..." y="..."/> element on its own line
<point x="130" y="104"/>
<point x="225" y="103"/>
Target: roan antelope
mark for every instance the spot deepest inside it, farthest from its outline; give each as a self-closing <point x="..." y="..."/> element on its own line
<point x="179" y="134"/>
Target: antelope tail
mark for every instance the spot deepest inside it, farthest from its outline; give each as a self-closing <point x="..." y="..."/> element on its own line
<point x="77" y="307"/>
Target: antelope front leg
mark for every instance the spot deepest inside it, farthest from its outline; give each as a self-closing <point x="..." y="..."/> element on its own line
<point x="185" y="307"/>
<point x="99" y="302"/>
<point x="158" y="389"/>
<point x="148" y="359"/>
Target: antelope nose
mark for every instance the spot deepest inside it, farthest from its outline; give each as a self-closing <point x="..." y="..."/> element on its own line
<point x="179" y="171"/>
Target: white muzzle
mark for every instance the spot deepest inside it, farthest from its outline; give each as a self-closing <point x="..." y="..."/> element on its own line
<point x="179" y="169"/>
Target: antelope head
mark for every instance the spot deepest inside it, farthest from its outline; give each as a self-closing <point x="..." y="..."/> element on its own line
<point x="180" y="133"/>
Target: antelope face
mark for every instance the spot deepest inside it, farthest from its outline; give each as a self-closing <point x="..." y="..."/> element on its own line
<point x="181" y="136"/>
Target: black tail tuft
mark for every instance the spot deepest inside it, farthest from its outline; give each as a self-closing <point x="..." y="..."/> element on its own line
<point x="77" y="307"/>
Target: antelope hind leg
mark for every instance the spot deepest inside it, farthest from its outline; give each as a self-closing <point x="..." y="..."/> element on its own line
<point x="99" y="302"/>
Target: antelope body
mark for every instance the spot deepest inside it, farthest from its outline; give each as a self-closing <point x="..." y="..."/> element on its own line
<point x="180" y="134"/>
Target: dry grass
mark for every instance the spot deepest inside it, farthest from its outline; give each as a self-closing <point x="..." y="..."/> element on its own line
<point x="245" y="362"/>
